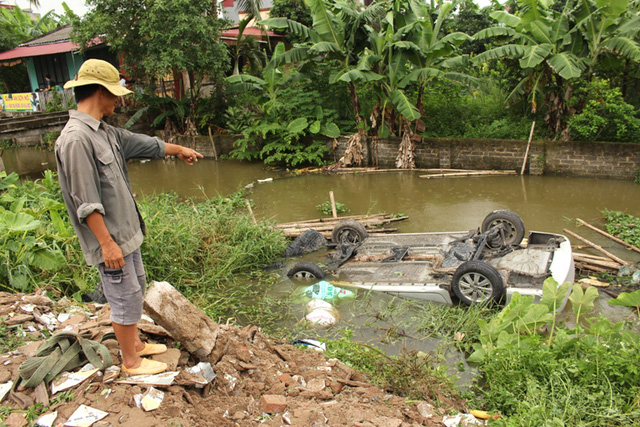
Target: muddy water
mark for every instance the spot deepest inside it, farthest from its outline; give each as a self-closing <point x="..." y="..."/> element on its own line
<point x="545" y="203"/>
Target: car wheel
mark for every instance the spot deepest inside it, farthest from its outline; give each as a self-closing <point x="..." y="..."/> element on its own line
<point x="348" y="231"/>
<point x="306" y="271"/>
<point x="476" y="282"/>
<point x="512" y="224"/>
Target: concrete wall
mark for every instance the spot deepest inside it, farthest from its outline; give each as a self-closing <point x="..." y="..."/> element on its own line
<point x="598" y="159"/>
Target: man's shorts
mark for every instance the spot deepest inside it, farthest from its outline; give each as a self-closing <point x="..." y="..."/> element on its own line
<point x="124" y="289"/>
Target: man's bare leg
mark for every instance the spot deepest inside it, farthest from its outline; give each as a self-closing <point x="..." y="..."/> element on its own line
<point x="130" y="344"/>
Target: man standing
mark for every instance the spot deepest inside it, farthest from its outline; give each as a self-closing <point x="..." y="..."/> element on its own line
<point x="91" y="157"/>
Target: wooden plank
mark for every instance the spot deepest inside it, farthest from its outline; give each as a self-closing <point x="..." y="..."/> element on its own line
<point x="610" y="264"/>
<point x="472" y="173"/>
<point x="596" y="247"/>
<point x="604" y="233"/>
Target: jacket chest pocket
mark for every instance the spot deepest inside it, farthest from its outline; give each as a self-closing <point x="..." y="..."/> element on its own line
<point x="107" y="166"/>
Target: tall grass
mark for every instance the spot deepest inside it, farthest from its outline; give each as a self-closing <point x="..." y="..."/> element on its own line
<point x="210" y="250"/>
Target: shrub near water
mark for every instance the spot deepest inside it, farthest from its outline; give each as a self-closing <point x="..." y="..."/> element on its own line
<point x="539" y="372"/>
<point x="206" y="249"/>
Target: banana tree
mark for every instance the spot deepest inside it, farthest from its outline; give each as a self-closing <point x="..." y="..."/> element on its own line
<point x="413" y="52"/>
<point x="549" y="50"/>
<point x="339" y="32"/>
<point x="609" y="27"/>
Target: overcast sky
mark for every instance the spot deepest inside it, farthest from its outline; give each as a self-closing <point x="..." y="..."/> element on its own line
<point x="79" y="7"/>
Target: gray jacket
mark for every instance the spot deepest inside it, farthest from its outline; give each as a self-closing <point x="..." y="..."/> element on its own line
<point x="91" y="157"/>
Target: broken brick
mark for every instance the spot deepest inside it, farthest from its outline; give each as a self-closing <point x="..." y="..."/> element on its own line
<point x="273" y="403"/>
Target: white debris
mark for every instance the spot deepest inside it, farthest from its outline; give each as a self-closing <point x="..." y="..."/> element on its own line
<point x="147" y="318"/>
<point x="151" y="399"/>
<point x="265" y="180"/>
<point x="63" y="317"/>
<point x="203" y="370"/>
<point x="321" y="317"/>
<point x="28" y="308"/>
<point x="47" y="420"/>
<point x="4" y="388"/>
<point x="462" y="420"/>
<point x="163" y="379"/>
<point x="111" y="373"/>
<point x="69" y="380"/>
<point x="233" y="381"/>
<point x="85" y="416"/>
<point x="286" y="417"/>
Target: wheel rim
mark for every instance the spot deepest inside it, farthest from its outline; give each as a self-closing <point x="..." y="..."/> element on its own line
<point x="476" y="287"/>
<point x="509" y="229"/>
<point x="348" y="236"/>
<point x="304" y="275"/>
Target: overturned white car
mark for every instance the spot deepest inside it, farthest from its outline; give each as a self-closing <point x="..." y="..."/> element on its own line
<point x="476" y="267"/>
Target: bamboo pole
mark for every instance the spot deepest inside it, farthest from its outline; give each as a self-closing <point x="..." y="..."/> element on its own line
<point x="213" y="145"/>
<point x="334" y="220"/>
<point x="377" y="170"/>
<point x="606" y="264"/>
<point x="471" y="173"/>
<point x="526" y="154"/>
<point x="594" y="257"/>
<point x="253" y="218"/>
<point x="604" y="233"/>
<point x="581" y="266"/>
<point x="596" y="247"/>
<point x="333" y="205"/>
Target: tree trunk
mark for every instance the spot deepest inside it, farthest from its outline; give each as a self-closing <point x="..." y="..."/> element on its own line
<point x="355" y="102"/>
<point x="405" y="159"/>
<point x="353" y="152"/>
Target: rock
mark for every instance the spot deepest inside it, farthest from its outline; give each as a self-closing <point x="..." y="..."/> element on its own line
<point x="425" y="409"/>
<point x="316" y="385"/>
<point x="386" y="422"/>
<point x="286" y="380"/>
<point x="171" y="357"/>
<point x="4" y="376"/>
<point x="273" y="403"/>
<point x="15" y="419"/>
<point x="18" y="319"/>
<point x="37" y="300"/>
<point x="30" y="349"/>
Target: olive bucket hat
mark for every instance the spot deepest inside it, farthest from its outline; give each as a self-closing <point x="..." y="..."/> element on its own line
<point x="97" y="71"/>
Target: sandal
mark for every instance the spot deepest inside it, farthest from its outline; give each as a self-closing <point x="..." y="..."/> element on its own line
<point x="147" y="367"/>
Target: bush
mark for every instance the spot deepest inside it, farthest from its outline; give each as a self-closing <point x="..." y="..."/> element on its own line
<point x="605" y="117"/>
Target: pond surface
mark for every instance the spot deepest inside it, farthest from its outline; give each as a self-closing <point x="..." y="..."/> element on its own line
<point x="546" y="203"/>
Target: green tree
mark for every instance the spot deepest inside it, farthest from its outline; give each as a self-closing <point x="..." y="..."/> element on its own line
<point x="555" y="48"/>
<point x="158" y="37"/>
<point x="294" y="10"/>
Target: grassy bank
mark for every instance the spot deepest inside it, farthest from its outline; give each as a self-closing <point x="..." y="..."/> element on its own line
<point x="209" y="250"/>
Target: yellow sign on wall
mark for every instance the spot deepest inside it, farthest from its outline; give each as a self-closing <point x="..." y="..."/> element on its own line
<point x="20" y="101"/>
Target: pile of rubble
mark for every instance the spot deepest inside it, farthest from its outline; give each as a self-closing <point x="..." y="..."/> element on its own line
<point x="245" y="378"/>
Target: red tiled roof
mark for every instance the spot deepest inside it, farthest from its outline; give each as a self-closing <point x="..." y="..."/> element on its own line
<point x="249" y="31"/>
<point x="46" y="49"/>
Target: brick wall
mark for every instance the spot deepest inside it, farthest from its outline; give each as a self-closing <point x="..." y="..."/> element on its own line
<point x="598" y="159"/>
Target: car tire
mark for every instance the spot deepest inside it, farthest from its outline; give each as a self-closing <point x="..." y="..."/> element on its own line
<point x="306" y="271"/>
<point x="476" y="282"/>
<point x="514" y="227"/>
<point x="349" y="231"/>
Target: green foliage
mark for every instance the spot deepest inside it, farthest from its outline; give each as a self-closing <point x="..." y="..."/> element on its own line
<point x="415" y="375"/>
<point x="11" y="337"/>
<point x="34" y="236"/>
<point x="208" y="253"/>
<point x="325" y="208"/>
<point x="623" y="226"/>
<point x="289" y="117"/>
<point x="537" y="374"/>
<point x="294" y="10"/>
<point x="605" y="116"/>
<point x="627" y="299"/>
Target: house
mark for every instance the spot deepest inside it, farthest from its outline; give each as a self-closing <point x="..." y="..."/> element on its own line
<point x="230" y="10"/>
<point x="55" y="55"/>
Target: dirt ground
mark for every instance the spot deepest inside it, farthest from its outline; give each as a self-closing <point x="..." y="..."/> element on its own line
<point x="258" y="381"/>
